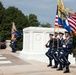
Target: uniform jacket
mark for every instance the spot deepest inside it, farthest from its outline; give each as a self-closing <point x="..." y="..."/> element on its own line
<point x="50" y="44"/>
<point x="69" y="45"/>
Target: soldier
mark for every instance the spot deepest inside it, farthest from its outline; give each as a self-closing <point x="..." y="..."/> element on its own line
<point x="67" y="49"/>
<point x="13" y="44"/>
<point x="49" y="44"/>
<point x="54" y="49"/>
<point x="60" y="42"/>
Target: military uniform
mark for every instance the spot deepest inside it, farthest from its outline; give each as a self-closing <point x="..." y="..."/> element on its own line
<point x="13" y="45"/>
<point x="61" y="40"/>
<point x="48" y="53"/>
<point x="66" y="50"/>
<point x="54" y="50"/>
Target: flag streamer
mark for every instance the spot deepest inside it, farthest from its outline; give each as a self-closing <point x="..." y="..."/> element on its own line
<point x="13" y="29"/>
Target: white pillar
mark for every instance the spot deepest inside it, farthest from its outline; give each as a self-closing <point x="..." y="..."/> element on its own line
<point x="7" y="45"/>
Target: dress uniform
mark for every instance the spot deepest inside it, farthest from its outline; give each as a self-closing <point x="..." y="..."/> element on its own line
<point x="54" y="49"/>
<point x="13" y="45"/>
<point x="61" y="40"/>
<point x="48" y="53"/>
<point x="67" y="49"/>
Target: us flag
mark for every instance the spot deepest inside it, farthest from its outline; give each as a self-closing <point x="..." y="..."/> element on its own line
<point x="56" y="22"/>
<point x="72" y="22"/>
<point x="57" y="19"/>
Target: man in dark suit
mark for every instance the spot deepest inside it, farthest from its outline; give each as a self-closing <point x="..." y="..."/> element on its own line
<point x="49" y="45"/>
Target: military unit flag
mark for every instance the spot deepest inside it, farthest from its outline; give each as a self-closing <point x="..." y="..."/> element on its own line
<point x="64" y="20"/>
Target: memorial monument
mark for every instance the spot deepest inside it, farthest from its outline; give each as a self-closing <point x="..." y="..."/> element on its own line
<point x="34" y="40"/>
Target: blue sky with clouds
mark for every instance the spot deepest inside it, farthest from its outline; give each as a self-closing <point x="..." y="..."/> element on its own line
<point x="44" y="9"/>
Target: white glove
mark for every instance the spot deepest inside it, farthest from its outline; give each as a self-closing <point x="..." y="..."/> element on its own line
<point x="56" y="52"/>
<point x="64" y="46"/>
<point x="61" y="52"/>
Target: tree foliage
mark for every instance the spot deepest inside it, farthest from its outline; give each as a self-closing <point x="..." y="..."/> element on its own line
<point x="2" y="12"/>
<point x="13" y="14"/>
<point x="2" y="17"/>
<point x="74" y="45"/>
<point x="32" y="19"/>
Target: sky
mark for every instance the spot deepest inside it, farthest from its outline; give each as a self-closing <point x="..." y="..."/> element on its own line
<point x="44" y="9"/>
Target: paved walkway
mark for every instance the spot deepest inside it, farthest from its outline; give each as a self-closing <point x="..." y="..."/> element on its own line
<point x="11" y="64"/>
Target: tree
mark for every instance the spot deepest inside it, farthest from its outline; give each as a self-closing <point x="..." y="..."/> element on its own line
<point x="2" y="12"/>
<point x="13" y="14"/>
<point x="2" y="17"/>
<point x="32" y="19"/>
<point x="74" y="45"/>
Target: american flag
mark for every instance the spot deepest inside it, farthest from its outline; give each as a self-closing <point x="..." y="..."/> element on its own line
<point x="56" y="23"/>
<point x="56" y="20"/>
<point x="72" y="22"/>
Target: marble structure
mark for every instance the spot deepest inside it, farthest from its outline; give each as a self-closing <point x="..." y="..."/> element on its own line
<point x="7" y="45"/>
<point x="34" y="40"/>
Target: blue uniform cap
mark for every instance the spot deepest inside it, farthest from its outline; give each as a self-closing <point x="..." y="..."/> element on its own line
<point x="56" y="32"/>
<point x="61" y="33"/>
<point x="51" y="34"/>
<point x="67" y="32"/>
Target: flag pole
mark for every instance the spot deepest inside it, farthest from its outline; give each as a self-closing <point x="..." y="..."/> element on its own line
<point x="54" y="30"/>
<point x="58" y="39"/>
<point x="53" y="38"/>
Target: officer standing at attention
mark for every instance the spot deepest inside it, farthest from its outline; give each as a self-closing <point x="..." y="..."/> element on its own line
<point x="67" y="49"/>
<point x="54" y="49"/>
<point x="49" y="45"/>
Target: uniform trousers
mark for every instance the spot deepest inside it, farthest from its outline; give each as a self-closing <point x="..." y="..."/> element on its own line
<point x="48" y="54"/>
<point x="53" y="54"/>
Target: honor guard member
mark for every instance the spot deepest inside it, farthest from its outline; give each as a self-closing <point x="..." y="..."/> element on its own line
<point x="13" y="44"/>
<point x="49" y="45"/>
<point x="61" y="40"/>
<point x="67" y="49"/>
<point x="54" y="49"/>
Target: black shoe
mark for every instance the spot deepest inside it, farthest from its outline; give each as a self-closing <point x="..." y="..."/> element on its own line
<point x="66" y="72"/>
<point x="49" y="65"/>
<point x="69" y="63"/>
<point x="54" y="67"/>
<point x="59" y="69"/>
